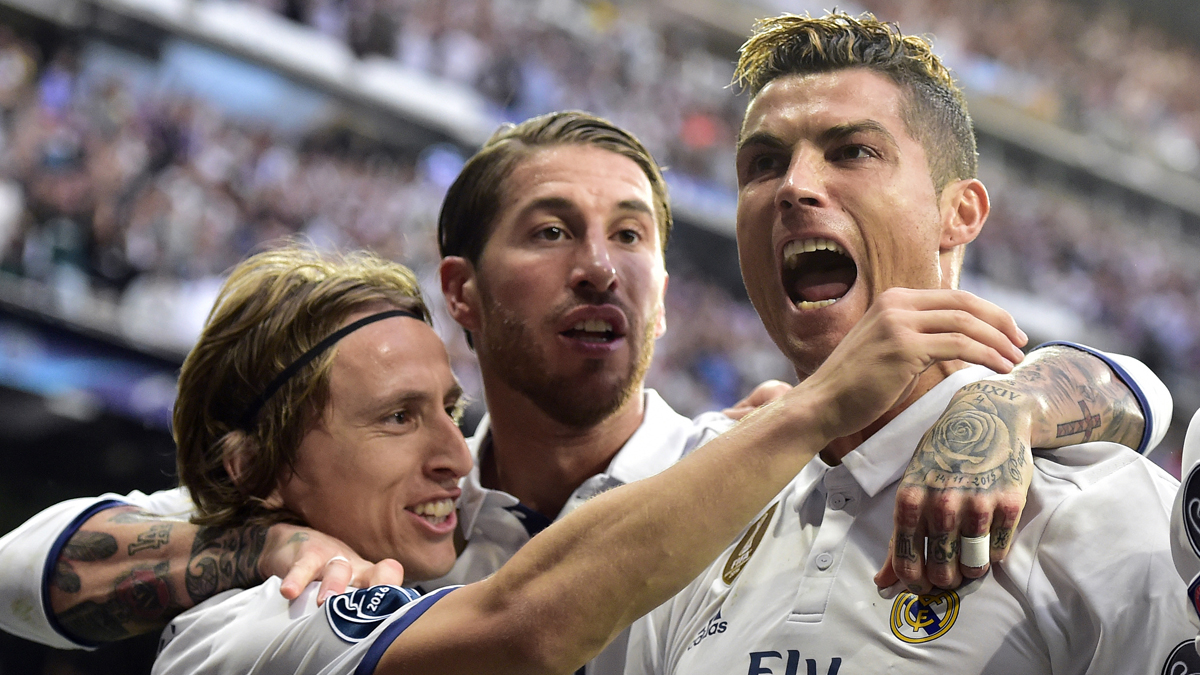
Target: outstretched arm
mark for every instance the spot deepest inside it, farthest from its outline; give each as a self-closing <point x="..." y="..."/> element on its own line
<point x="125" y="571"/>
<point x="579" y="583"/>
<point x="972" y="470"/>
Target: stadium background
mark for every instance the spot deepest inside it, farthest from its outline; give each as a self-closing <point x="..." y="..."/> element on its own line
<point x="147" y="145"/>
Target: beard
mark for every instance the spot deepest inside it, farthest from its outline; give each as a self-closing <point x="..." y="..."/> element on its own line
<point x="577" y="400"/>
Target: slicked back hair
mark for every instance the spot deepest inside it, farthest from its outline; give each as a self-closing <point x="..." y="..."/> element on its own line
<point x="933" y="109"/>
<point x="272" y="309"/>
<point x="473" y="202"/>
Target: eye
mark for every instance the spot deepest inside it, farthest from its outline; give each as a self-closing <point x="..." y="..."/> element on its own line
<point x="852" y="152"/>
<point x="401" y="417"/>
<point x="629" y="236"/>
<point x="552" y="233"/>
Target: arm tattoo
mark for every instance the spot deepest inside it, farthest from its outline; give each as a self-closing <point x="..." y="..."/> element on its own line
<point x="974" y="446"/>
<point x="140" y="601"/>
<point x="1083" y="399"/>
<point x="142" y="570"/>
<point x="224" y="559"/>
<point x="84" y="546"/>
<point x="154" y="538"/>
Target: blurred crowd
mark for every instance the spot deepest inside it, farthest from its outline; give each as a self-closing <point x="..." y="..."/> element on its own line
<point x="143" y="200"/>
<point x="1093" y="69"/>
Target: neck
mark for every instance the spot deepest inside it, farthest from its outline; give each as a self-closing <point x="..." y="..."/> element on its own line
<point x="541" y="461"/>
<point x="840" y="447"/>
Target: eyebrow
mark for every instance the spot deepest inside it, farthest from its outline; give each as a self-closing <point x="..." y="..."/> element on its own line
<point x="833" y="133"/>
<point x="564" y="204"/>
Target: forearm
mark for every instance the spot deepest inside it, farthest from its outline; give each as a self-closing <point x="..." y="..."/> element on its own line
<point x="1074" y="397"/>
<point x="127" y="572"/>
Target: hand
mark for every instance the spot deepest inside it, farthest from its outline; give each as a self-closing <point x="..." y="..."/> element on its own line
<point x="301" y="556"/>
<point x="969" y="477"/>
<point x="879" y="362"/>
<point x="763" y="394"/>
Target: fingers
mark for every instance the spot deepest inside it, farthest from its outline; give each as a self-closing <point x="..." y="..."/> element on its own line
<point x="943" y="545"/>
<point x="303" y="572"/>
<point x="886" y="576"/>
<point x="335" y="577"/>
<point x="385" y="572"/>
<point x="988" y="312"/>
<point x="974" y="526"/>
<point x="1004" y="525"/>
<point x="908" y="542"/>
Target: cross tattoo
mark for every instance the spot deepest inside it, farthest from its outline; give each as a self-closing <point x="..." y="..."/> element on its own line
<point x="1082" y="426"/>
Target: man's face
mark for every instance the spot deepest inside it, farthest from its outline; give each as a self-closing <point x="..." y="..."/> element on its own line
<point x="380" y="469"/>
<point x="835" y="205"/>
<point x="570" y="283"/>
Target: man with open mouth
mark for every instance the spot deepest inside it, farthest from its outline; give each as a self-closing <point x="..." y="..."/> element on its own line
<point x="857" y="192"/>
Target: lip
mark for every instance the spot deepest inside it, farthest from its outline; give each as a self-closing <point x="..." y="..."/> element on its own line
<point x="608" y="312"/>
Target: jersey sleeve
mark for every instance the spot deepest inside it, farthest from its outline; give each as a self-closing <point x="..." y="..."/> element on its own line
<point x="258" y="632"/>
<point x="1153" y="396"/>
<point x="28" y="555"/>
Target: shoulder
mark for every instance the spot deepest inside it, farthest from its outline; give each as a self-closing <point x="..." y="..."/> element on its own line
<point x="257" y="630"/>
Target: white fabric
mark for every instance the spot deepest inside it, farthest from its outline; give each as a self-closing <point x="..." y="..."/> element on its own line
<point x="1087" y="587"/>
<point x="258" y="632"/>
<point x="24" y="553"/>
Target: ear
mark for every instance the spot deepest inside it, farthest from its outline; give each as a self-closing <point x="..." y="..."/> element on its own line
<point x="660" y="326"/>
<point x="964" y="208"/>
<point x="235" y="456"/>
<point x="461" y="290"/>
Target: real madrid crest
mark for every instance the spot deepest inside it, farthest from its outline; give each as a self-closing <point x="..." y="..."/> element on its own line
<point x="921" y="618"/>
<point x="745" y="548"/>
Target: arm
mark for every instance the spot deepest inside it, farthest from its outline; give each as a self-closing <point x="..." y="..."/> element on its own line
<point x="578" y="584"/>
<point x="969" y="483"/>
<point x="125" y="571"/>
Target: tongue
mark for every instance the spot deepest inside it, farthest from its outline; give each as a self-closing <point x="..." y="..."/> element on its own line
<point x="824" y="285"/>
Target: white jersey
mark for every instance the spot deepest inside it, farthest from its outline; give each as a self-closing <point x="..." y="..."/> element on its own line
<point x="1087" y="587"/>
<point x="258" y="632"/>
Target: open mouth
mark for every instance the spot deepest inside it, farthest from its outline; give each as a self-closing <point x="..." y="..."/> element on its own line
<point x="817" y="272"/>
<point x="592" y="330"/>
<point x="436" y="511"/>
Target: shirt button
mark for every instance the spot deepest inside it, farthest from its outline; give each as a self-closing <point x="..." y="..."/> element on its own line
<point x="837" y="501"/>
<point x="824" y="560"/>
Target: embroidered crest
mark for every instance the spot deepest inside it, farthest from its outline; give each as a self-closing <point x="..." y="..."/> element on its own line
<point x="353" y="615"/>
<point x="746" y="547"/>
<point x="921" y="618"/>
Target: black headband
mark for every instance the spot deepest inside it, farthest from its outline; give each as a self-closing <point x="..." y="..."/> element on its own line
<point x="287" y="373"/>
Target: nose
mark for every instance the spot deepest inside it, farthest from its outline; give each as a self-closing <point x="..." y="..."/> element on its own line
<point x="593" y="266"/>
<point x="803" y="184"/>
<point x="450" y="459"/>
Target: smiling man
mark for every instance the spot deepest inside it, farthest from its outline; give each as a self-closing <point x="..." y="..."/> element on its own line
<point x="856" y="175"/>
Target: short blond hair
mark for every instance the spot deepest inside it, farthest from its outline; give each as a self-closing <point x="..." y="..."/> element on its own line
<point x="934" y="109"/>
<point x="272" y="309"/>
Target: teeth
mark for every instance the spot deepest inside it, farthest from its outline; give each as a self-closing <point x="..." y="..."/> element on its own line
<point x="793" y="249"/>
<point x="435" y="511"/>
<point x="594" y="326"/>
<point x="805" y="304"/>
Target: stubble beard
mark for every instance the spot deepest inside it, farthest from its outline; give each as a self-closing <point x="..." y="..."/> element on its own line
<point x="579" y="400"/>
